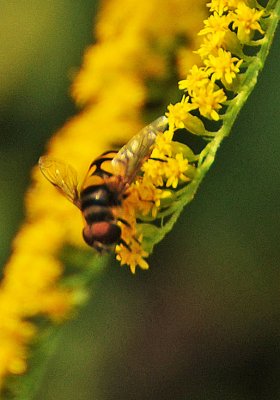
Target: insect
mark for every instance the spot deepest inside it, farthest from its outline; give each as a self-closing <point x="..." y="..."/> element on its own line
<point x="105" y="185"/>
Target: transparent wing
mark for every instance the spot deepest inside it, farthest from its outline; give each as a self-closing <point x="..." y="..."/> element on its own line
<point x="131" y="156"/>
<point x="62" y="176"/>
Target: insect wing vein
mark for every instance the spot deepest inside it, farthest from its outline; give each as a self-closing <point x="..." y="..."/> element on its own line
<point x="61" y="175"/>
<point x="131" y="156"/>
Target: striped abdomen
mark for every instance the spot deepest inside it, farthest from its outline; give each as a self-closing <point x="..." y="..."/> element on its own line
<point x="99" y="198"/>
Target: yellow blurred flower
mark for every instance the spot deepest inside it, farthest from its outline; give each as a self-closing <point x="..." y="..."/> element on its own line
<point x="132" y="42"/>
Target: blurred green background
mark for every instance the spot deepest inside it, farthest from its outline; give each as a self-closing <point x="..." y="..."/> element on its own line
<point x="203" y="322"/>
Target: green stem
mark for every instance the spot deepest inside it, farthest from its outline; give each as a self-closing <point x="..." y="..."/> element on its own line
<point x="272" y="4"/>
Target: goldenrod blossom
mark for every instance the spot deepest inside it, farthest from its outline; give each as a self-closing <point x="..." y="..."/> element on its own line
<point x="178" y="113"/>
<point x="216" y="23"/>
<point x="223" y="66"/>
<point x="148" y="197"/>
<point x="132" y="256"/>
<point x="209" y="100"/>
<point x="211" y="43"/>
<point x="196" y="78"/>
<point x="221" y="6"/>
<point x="175" y="170"/>
<point x="246" y="20"/>
<point x="154" y="171"/>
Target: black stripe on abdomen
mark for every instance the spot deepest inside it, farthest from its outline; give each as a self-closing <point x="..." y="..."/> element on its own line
<point x="95" y="195"/>
<point x="93" y="213"/>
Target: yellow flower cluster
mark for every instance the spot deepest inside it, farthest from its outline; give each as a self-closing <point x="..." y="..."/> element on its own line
<point x="232" y="24"/>
<point x="162" y="172"/>
<point x="132" y="40"/>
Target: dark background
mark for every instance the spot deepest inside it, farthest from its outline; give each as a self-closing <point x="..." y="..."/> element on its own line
<point x="203" y="322"/>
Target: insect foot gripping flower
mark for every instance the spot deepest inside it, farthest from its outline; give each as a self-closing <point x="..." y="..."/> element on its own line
<point x="151" y="197"/>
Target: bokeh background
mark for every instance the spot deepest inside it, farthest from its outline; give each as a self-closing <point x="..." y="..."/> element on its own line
<point x="203" y="322"/>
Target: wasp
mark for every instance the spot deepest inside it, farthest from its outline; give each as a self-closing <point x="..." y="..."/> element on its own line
<point x="105" y="186"/>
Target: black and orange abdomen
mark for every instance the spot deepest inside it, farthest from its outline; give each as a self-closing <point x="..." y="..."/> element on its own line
<point x="98" y="203"/>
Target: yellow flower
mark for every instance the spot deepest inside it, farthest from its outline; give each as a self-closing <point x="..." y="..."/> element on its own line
<point x="211" y="43"/>
<point x="219" y="6"/>
<point x="196" y="78"/>
<point x="178" y="112"/>
<point x="154" y="171"/>
<point x="175" y="169"/>
<point x="216" y="23"/>
<point x="208" y="99"/>
<point x="12" y="357"/>
<point x="14" y="334"/>
<point x="163" y="146"/>
<point x="223" y="66"/>
<point x="134" y="256"/>
<point x="246" y="20"/>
